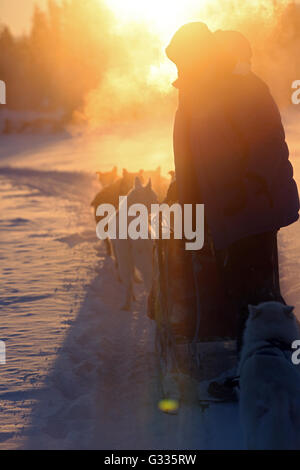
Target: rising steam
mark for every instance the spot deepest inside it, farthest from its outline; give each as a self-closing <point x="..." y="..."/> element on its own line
<point x="137" y="85"/>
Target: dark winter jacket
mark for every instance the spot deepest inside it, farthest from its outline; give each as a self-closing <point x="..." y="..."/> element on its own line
<point x="230" y="154"/>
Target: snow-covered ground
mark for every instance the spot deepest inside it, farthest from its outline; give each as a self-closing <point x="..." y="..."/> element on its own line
<point x="80" y="372"/>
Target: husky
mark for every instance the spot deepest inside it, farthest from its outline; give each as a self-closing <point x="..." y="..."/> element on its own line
<point x="120" y="187"/>
<point x="159" y="183"/>
<point x="110" y="194"/>
<point x="135" y="254"/>
<point x="172" y="193"/>
<point x="108" y="177"/>
<point x="269" y="382"/>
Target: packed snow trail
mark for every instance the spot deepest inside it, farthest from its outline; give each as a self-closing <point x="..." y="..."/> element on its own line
<point x="104" y="388"/>
<point x="44" y="276"/>
<point x="80" y="372"/>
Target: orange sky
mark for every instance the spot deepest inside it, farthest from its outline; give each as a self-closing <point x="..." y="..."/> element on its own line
<point x="17" y="13"/>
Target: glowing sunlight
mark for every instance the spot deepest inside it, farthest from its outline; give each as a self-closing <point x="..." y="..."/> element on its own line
<point x="165" y="16"/>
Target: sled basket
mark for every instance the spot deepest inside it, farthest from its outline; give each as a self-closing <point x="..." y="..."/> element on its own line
<point x="189" y="304"/>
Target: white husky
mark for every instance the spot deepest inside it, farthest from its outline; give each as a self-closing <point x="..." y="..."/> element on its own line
<point x="133" y="254"/>
<point x="269" y="382"/>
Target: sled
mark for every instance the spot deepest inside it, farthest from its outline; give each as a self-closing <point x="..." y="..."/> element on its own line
<point x="195" y="321"/>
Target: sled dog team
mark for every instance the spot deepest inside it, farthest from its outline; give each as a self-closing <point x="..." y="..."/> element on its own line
<point x="131" y="255"/>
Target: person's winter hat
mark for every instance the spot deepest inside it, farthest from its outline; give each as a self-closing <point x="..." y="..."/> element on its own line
<point x="192" y="42"/>
<point x="237" y="49"/>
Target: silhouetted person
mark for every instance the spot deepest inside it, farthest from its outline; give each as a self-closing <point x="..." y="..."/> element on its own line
<point x="230" y="154"/>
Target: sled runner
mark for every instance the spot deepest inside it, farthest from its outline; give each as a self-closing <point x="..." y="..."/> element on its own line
<point x="195" y="322"/>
